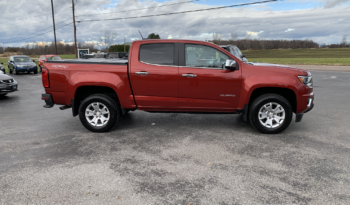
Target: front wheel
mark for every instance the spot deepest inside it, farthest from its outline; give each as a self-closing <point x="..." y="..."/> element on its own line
<point x="99" y="113"/>
<point x="270" y="113"/>
<point x="35" y="71"/>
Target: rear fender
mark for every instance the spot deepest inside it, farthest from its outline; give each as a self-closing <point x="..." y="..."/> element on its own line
<point x="121" y="87"/>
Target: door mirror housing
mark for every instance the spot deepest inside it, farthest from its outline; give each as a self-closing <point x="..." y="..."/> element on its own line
<point x="2" y="63"/>
<point x="231" y="65"/>
<point x="11" y="61"/>
<point x="33" y="60"/>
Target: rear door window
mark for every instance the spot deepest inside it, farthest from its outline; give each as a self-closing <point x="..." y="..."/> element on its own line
<point x="158" y="53"/>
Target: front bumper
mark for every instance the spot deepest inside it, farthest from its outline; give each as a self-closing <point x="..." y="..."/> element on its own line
<point x="26" y="69"/>
<point x="8" y="88"/>
<point x="299" y="116"/>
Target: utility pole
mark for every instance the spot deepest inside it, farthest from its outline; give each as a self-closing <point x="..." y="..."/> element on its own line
<point x="75" y="32"/>
<point x="54" y="29"/>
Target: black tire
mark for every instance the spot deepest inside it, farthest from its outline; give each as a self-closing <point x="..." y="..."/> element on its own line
<point x="16" y="72"/>
<point x="10" y="71"/>
<point x="274" y="99"/>
<point x="35" y="71"/>
<point x="1" y="95"/>
<point x="107" y="101"/>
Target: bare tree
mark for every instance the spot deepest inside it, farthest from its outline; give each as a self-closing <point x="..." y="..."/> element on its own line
<point x="108" y="38"/>
<point x="234" y="36"/>
<point x="216" y="36"/>
<point x="262" y="43"/>
<point x="344" y="41"/>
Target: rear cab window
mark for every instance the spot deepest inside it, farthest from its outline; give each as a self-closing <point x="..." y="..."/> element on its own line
<point x="158" y="53"/>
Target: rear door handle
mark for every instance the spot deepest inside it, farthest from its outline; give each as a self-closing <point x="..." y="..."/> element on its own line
<point x="142" y="73"/>
<point x="189" y="75"/>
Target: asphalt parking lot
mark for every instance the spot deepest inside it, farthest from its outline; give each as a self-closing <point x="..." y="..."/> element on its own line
<point x="48" y="157"/>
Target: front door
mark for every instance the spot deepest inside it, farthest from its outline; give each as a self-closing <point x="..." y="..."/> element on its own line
<point x="204" y="83"/>
<point x="154" y="75"/>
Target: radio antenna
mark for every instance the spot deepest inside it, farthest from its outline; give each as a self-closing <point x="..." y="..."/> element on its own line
<point x="141" y="35"/>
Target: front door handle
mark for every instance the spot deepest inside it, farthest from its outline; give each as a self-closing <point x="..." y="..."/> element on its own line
<point x="189" y="75"/>
<point x="142" y="73"/>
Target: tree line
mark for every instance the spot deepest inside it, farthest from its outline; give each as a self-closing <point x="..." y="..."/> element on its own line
<point x="257" y="44"/>
<point x="40" y="49"/>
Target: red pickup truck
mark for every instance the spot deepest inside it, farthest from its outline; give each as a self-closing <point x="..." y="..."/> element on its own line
<point x="178" y="76"/>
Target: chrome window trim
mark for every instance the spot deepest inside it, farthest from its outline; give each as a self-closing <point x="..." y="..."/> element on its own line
<point x="202" y="68"/>
<point x="159" y="64"/>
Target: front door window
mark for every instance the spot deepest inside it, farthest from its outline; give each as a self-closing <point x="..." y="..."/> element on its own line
<point x="201" y="56"/>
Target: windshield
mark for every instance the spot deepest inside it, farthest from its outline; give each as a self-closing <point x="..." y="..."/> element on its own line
<point x="53" y="58"/>
<point x="234" y="50"/>
<point x="22" y="59"/>
<point x="237" y="52"/>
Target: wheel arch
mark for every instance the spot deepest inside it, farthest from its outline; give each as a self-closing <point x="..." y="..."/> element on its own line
<point x="84" y="91"/>
<point x="287" y="93"/>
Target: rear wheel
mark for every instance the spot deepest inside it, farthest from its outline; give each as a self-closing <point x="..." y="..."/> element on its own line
<point x="270" y="113"/>
<point x="99" y="113"/>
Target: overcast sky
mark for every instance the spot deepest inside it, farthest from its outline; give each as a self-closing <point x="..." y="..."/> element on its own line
<point x="324" y="21"/>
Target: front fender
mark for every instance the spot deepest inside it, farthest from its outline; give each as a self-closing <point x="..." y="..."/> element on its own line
<point x="254" y="82"/>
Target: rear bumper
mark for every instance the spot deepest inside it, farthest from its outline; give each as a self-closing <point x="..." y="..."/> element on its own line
<point x="48" y="100"/>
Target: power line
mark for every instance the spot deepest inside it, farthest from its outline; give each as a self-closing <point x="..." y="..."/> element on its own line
<point x="181" y="12"/>
<point x="65" y="10"/>
<point x="139" y="9"/>
<point x="36" y="35"/>
<point x="94" y="2"/>
<point x="33" y="24"/>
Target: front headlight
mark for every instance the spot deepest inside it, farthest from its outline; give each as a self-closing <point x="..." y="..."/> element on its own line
<point x="19" y="66"/>
<point x="306" y="80"/>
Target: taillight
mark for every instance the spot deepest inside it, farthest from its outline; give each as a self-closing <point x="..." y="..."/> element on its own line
<point x="45" y="78"/>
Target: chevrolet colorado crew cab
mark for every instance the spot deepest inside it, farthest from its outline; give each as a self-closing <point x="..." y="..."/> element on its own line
<point x="178" y="76"/>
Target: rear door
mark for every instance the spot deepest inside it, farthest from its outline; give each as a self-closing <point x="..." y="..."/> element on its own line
<point x="154" y="75"/>
<point x="204" y="83"/>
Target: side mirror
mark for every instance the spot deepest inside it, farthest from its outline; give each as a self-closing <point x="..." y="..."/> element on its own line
<point x="11" y="61"/>
<point x="2" y="63"/>
<point x="243" y="55"/>
<point x="33" y="60"/>
<point x="231" y="65"/>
